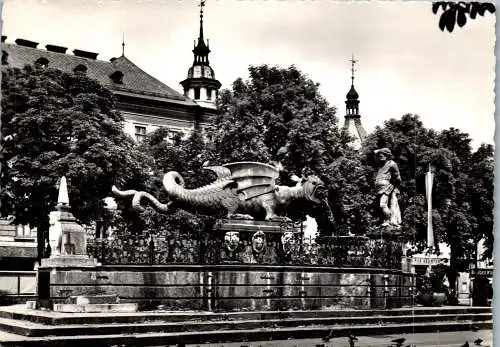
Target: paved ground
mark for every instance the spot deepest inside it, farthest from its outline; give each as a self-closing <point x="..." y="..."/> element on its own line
<point x="444" y="339"/>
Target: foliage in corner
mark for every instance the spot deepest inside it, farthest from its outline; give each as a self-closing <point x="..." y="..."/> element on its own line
<point x="457" y="12"/>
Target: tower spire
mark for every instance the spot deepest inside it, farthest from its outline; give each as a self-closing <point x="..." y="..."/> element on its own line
<point x="201" y="50"/>
<point x="200" y="84"/>
<point x="202" y="4"/>
<point x="123" y="44"/>
<point x="352" y="122"/>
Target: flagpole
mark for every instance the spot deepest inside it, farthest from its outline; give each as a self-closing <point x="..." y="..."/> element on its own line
<point x="429" y="177"/>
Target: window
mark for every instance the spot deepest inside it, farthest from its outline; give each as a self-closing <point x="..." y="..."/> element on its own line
<point x="197" y="93"/>
<point x="80" y="68"/>
<point x="117" y="77"/>
<point x="140" y="133"/>
<point x="209" y="94"/>
<point x="42" y="62"/>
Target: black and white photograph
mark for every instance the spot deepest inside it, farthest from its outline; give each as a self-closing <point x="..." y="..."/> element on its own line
<point x="247" y="173"/>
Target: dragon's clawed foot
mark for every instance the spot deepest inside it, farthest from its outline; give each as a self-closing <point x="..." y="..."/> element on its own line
<point x="239" y="216"/>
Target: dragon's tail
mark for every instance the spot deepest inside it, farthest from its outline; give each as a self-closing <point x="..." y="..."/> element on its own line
<point x="138" y="196"/>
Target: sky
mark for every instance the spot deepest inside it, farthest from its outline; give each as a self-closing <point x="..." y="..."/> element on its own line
<point x="405" y="63"/>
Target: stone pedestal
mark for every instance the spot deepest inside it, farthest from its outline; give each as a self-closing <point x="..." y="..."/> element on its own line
<point x="66" y="236"/>
<point x="68" y="244"/>
<point x="68" y="241"/>
<point x="387" y="245"/>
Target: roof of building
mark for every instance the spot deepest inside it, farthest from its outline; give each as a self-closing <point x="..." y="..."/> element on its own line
<point x="117" y="74"/>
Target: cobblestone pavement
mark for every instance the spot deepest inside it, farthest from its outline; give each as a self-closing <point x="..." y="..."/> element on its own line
<point x="444" y="339"/>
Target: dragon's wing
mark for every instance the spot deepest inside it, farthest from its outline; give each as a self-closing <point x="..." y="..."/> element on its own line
<point x="252" y="178"/>
<point x="220" y="171"/>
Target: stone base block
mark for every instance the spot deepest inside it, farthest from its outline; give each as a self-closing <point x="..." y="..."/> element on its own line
<point x="228" y="288"/>
<point x="69" y="261"/>
<point x="31" y="305"/>
<point x="93" y="299"/>
<point x="72" y="308"/>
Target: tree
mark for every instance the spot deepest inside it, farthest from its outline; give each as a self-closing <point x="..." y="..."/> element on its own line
<point x="351" y="194"/>
<point x="279" y="116"/>
<point x="480" y="190"/>
<point x="457" y="12"/>
<point x="57" y="124"/>
<point x="463" y="184"/>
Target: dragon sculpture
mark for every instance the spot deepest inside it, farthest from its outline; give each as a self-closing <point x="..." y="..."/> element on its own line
<point x="242" y="190"/>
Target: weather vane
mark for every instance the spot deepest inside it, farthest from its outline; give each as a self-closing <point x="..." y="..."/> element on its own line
<point x="353" y="61"/>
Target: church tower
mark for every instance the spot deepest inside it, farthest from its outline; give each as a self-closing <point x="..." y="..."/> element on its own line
<point x="352" y="123"/>
<point x="201" y="85"/>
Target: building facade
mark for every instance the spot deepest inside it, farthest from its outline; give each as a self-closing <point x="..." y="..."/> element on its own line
<point x="145" y="102"/>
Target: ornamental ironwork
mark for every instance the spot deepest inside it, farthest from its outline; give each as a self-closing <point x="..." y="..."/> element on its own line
<point x="249" y="248"/>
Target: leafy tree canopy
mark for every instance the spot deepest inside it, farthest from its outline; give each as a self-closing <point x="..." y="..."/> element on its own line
<point x="277" y="115"/>
<point x="56" y="124"/>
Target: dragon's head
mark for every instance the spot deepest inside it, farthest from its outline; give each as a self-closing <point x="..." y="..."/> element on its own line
<point x="314" y="188"/>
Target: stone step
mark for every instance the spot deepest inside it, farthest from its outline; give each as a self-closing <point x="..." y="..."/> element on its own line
<point x="35" y="329"/>
<point x="57" y="318"/>
<point x="96" y="308"/>
<point x="221" y="336"/>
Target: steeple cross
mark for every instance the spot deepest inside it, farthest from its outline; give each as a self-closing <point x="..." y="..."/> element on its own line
<point x="202" y="4"/>
<point x="353" y="61"/>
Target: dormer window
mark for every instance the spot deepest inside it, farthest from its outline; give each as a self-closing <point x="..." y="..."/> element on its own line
<point x="5" y="56"/>
<point x="42" y="62"/>
<point x="80" y="68"/>
<point x="117" y="77"/>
